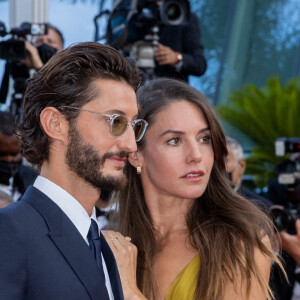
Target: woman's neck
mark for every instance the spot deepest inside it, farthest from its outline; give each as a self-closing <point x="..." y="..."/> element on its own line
<point x="168" y="213"/>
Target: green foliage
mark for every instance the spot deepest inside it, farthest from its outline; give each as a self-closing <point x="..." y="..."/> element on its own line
<point x="263" y="115"/>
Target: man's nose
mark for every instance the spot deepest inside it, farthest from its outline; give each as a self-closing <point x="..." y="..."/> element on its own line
<point x="127" y="141"/>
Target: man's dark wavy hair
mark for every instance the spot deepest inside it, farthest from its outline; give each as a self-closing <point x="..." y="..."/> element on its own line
<point x="67" y="80"/>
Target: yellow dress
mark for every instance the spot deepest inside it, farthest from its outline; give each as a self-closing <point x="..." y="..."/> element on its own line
<point x="184" y="285"/>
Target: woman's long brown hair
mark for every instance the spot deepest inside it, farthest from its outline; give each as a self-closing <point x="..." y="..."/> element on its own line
<point x="223" y="227"/>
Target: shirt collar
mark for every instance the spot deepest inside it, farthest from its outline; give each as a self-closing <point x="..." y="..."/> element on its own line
<point x="67" y="203"/>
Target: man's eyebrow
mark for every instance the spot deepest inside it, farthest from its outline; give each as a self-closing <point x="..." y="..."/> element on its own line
<point x="115" y="111"/>
<point x="182" y="132"/>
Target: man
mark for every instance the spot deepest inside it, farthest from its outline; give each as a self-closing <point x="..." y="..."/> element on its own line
<point x="43" y="47"/>
<point x="14" y="176"/>
<point x="38" y="52"/>
<point x="235" y="168"/>
<point x="286" y="197"/>
<point x="53" y="38"/>
<point x="79" y="127"/>
<point x="180" y="51"/>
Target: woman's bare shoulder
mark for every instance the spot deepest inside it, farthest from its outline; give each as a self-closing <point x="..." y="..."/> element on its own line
<point x="263" y="263"/>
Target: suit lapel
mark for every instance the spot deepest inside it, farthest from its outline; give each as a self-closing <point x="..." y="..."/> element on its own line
<point x="112" y="269"/>
<point x="68" y="240"/>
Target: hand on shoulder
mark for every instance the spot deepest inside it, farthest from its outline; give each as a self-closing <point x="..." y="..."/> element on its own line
<point x="125" y="254"/>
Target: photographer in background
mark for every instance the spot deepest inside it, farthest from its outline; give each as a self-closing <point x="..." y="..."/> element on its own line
<point x="14" y="176"/>
<point x="180" y="51"/>
<point x="291" y="242"/>
<point x="286" y="196"/>
<point x="20" y="65"/>
<point x="235" y="168"/>
<point x="162" y="36"/>
<point x="53" y="39"/>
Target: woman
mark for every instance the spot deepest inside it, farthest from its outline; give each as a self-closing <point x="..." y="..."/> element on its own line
<point x="196" y="238"/>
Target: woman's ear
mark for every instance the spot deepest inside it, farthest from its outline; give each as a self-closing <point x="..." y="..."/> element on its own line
<point x="136" y="159"/>
<point x="54" y="124"/>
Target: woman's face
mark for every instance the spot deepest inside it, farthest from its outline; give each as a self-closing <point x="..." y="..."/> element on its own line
<point x="178" y="156"/>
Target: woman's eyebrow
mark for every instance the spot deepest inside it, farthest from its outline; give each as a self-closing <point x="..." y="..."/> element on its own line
<point x="172" y="131"/>
<point x="182" y="132"/>
<point x="204" y="129"/>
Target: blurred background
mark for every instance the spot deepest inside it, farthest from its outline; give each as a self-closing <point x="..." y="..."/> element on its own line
<point x="244" y="41"/>
<point x="252" y="50"/>
<point x="247" y="59"/>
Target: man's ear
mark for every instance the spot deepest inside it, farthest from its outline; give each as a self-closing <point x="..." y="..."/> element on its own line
<point x="136" y="159"/>
<point x="54" y="124"/>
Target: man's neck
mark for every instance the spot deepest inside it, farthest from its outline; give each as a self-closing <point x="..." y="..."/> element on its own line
<point x="83" y="192"/>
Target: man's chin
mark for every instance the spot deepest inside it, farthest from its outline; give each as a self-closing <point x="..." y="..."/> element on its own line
<point x="110" y="182"/>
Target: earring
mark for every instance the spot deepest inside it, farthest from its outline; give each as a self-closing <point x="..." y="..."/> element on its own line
<point x="138" y="170"/>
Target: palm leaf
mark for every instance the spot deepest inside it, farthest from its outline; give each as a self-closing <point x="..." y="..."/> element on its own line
<point x="263" y="115"/>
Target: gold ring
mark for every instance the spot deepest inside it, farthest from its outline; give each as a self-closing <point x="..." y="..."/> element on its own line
<point x="127" y="238"/>
<point x="112" y="239"/>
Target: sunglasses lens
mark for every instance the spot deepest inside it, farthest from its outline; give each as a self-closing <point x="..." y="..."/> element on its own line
<point x="119" y="125"/>
<point x="139" y="129"/>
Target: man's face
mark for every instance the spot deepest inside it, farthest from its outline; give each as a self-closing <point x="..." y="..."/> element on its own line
<point x="234" y="166"/>
<point x="10" y="157"/>
<point x="51" y="39"/>
<point x="9" y="148"/>
<point x="93" y="153"/>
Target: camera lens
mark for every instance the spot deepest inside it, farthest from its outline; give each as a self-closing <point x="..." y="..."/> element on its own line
<point x="282" y="218"/>
<point x="173" y="12"/>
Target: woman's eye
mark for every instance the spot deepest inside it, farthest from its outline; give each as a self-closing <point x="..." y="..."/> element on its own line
<point x="206" y="139"/>
<point x="174" y="141"/>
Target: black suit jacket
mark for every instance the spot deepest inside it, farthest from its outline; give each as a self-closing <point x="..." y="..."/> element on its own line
<point x="43" y="255"/>
<point x="185" y="39"/>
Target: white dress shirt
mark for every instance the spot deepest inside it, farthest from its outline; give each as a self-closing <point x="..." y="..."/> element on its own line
<point x="75" y="212"/>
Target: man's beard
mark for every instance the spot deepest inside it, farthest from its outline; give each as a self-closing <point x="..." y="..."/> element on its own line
<point x="83" y="159"/>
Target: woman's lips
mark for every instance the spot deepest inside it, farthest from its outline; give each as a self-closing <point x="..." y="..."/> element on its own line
<point x="193" y="176"/>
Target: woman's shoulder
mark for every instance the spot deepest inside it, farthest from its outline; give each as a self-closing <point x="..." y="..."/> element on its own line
<point x="259" y="276"/>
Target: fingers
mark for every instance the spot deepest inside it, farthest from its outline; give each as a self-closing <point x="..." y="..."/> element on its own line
<point x="165" y="55"/>
<point x="297" y="226"/>
<point x="127" y="238"/>
<point x="285" y="238"/>
<point x="117" y="241"/>
<point x="289" y="241"/>
<point x="126" y="256"/>
<point x="32" y="59"/>
<point x="290" y="238"/>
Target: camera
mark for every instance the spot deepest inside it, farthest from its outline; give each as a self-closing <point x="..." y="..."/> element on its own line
<point x="287" y="145"/>
<point x="289" y="178"/>
<point x="14" y="49"/>
<point x="133" y="27"/>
